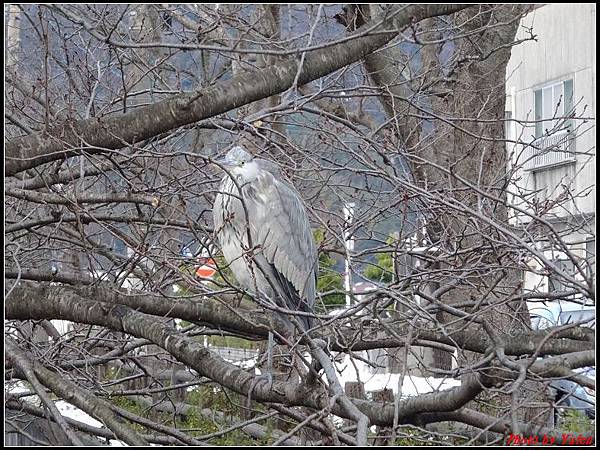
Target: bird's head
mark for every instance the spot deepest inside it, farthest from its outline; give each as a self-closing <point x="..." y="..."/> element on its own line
<point x="242" y="164"/>
<point x="237" y="157"/>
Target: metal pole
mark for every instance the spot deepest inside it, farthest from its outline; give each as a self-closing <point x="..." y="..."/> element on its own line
<point x="349" y="244"/>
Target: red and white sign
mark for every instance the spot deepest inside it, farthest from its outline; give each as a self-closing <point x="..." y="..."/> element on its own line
<point x="207" y="268"/>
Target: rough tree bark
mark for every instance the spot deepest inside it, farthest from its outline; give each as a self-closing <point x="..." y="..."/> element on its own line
<point x="464" y="158"/>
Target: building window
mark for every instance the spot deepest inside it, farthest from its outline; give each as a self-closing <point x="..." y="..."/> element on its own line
<point x="554" y="142"/>
<point x="552" y="104"/>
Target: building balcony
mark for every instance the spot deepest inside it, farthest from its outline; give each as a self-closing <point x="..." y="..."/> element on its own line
<point x="549" y="151"/>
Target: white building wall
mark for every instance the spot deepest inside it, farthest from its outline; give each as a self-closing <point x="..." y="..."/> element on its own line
<point x="565" y="47"/>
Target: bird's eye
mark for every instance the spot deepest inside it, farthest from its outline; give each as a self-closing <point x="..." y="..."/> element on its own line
<point x="243" y="162"/>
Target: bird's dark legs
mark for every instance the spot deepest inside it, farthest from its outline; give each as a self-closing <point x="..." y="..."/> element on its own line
<point x="267" y="373"/>
<point x="263" y="376"/>
<point x="270" y="345"/>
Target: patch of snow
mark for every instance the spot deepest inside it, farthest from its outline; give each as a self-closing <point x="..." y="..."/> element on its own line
<point x="412" y="385"/>
<point x="72" y="412"/>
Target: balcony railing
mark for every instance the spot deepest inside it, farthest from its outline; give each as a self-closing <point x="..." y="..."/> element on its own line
<point x="550" y="151"/>
<point x="234" y="355"/>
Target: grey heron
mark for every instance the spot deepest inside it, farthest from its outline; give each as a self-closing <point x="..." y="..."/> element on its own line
<point x="264" y="232"/>
<point x="265" y="235"/>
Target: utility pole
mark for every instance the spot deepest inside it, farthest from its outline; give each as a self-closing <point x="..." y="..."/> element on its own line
<point x="349" y="244"/>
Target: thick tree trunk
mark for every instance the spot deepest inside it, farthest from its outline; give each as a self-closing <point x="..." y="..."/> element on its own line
<point x="464" y="162"/>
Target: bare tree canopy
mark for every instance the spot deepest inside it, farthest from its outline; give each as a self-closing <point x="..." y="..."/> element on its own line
<point x="435" y="252"/>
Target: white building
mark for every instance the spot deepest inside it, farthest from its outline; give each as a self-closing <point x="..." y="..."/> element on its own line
<point x="551" y="89"/>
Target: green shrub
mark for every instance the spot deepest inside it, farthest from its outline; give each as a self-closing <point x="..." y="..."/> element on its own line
<point x="330" y="284"/>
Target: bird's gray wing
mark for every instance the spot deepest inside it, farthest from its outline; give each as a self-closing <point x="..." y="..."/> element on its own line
<point x="282" y="229"/>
